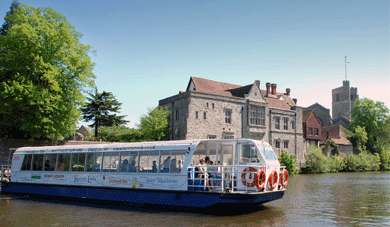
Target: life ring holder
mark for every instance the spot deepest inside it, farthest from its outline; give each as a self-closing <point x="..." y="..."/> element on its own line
<point x="273" y="180"/>
<point x="284" y="178"/>
<point x="260" y="185"/>
<point x="243" y="177"/>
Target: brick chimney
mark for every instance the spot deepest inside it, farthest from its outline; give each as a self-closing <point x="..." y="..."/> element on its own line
<point x="288" y="91"/>
<point x="273" y="89"/>
<point x="268" y="84"/>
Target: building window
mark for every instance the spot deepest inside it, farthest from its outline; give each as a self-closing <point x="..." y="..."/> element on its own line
<point x="257" y="115"/>
<point x="207" y="105"/>
<point x="310" y="131"/>
<point x="285" y="143"/>
<point x="285" y="123"/>
<point x="228" y="116"/>
<point x="225" y="137"/>
<point x="211" y="136"/>
<point x="277" y="143"/>
<point x="196" y="114"/>
<point x="177" y="114"/>
<point x="204" y="115"/>
<point x="292" y="124"/>
<point x="212" y="105"/>
<point x="277" y="122"/>
<point x="316" y="131"/>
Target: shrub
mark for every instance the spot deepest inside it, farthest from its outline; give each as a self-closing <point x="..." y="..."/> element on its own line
<point x="316" y="161"/>
<point x="289" y="161"/>
<point x="118" y="134"/>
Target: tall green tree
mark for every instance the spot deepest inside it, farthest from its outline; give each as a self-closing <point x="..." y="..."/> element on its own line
<point x="375" y="119"/>
<point x="154" y="125"/>
<point x="101" y="109"/>
<point x="44" y="69"/>
<point x="7" y="24"/>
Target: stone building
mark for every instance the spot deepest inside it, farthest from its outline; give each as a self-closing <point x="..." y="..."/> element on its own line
<point x="216" y="110"/>
<point x="343" y="99"/>
<point x="337" y="134"/>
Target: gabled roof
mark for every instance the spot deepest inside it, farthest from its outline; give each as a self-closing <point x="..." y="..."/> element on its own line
<point x="232" y="90"/>
<point x="318" y="106"/>
<point x="306" y="115"/>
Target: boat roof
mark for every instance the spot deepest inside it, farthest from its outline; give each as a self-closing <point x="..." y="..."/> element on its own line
<point x="137" y="146"/>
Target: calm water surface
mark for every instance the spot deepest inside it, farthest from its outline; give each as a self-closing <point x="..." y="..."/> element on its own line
<point x="344" y="199"/>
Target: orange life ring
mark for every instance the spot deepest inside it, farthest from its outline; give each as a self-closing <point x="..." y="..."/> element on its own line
<point x="284" y="178"/>
<point x="257" y="179"/>
<point x="243" y="177"/>
<point x="273" y="180"/>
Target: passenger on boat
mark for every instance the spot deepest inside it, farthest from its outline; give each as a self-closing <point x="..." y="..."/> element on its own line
<point x="174" y="169"/>
<point x="211" y="176"/>
<point x="202" y="173"/>
<point x="154" y="167"/>
<point x="124" y="166"/>
<point x="132" y="167"/>
<point x="214" y="174"/>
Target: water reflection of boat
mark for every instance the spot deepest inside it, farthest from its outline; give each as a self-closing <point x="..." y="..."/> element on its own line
<point x="166" y="173"/>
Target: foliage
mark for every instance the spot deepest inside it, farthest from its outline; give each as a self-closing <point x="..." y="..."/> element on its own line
<point x="384" y="156"/>
<point x="154" y="125"/>
<point x="118" y="134"/>
<point x="316" y="161"/>
<point x="375" y="119"/>
<point x="289" y="161"/>
<point x="7" y="24"/>
<point x="332" y="145"/>
<point x="43" y="71"/>
<point x="335" y="164"/>
<point x="101" y="109"/>
<point x="358" y="138"/>
<point x="362" y="162"/>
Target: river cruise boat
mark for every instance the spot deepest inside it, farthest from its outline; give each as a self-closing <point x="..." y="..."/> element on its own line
<point x="193" y="173"/>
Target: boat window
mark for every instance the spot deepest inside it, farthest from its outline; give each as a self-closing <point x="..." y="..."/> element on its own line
<point x="153" y="161"/>
<point x="63" y="162"/>
<point x="78" y="162"/>
<point x="27" y="162"/>
<point x="94" y="161"/>
<point x="50" y="162"/>
<point x="177" y="161"/>
<point x="165" y="161"/>
<point x="110" y="161"/>
<point x="143" y="164"/>
<point x="128" y="161"/>
<point x="38" y="162"/>
<point x="269" y="154"/>
<point x="249" y="153"/>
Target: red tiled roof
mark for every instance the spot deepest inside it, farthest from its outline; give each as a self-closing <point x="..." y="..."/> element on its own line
<point x="232" y="90"/>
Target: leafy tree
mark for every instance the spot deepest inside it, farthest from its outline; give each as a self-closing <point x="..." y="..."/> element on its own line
<point x="101" y="109"/>
<point x="7" y="24"/>
<point x="118" y="134"/>
<point x="154" y="125"/>
<point x="289" y="161"/>
<point x="44" y="68"/>
<point x="374" y="118"/>
<point x="316" y="161"/>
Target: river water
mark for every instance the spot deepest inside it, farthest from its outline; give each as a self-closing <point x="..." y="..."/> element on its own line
<point x="343" y="199"/>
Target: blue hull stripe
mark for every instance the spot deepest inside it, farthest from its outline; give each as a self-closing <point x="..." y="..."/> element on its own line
<point x="160" y="197"/>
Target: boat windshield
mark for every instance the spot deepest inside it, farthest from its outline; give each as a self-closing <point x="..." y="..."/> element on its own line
<point x="269" y="153"/>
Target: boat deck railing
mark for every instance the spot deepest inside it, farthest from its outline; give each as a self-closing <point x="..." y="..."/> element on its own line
<point x="5" y="173"/>
<point x="223" y="178"/>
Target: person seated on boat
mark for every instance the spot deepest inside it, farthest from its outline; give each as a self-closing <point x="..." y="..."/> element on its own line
<point x="211" y="176"/>
<point x="132" y="167"/>
<point x="47" y="166"/>
<point x="140" y="167"/>
<point x="124" y="166"/>
<point x="166" y="164"/>
<point x="180" y="164"/>
<point x="154" y="167"/>
<point x="214" y="174"/>
<point x="174" y="169"/>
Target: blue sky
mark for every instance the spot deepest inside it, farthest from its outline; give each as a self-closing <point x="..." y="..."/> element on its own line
<point x="148" y="50"/>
